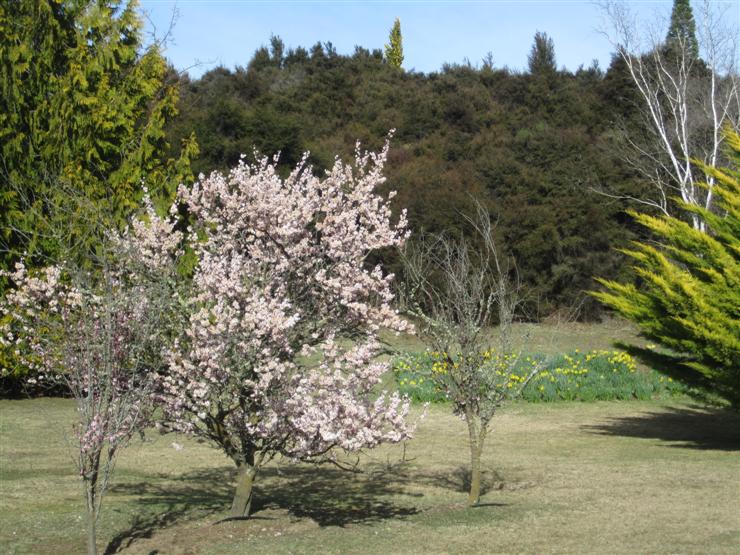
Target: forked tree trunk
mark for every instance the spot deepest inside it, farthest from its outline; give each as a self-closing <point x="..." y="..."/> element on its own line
<point x="246" y="474"/>
<point x="477" y="434"/>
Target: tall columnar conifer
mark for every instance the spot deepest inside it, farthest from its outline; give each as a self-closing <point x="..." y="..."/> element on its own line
<point x="394" y="48"/>
<point x="689" y="298"/>
<point x="541" y="59"/>
<point x="682" y="30"/>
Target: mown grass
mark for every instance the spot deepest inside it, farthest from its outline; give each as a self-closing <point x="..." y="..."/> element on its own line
<point x="602" y="477"/>
<point x="658" y="476"/>
<point x="548" y="338"/>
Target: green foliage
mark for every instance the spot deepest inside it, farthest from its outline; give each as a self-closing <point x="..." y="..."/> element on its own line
<point x="532" y="148"/>
<point x="575" y="376"/>
<point x="687" y="295"/>
<point x="541" y="59"/>
<point x="414" y="373"/>
<point x="599" y="376"/>
<point x="682" y="30"/>
<point x="83" y="110"/>
<point x="426" y="376"/>
<point x="394" y="48"/>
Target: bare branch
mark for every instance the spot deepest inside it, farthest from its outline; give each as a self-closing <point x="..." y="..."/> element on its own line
<point x="686" y="100"/>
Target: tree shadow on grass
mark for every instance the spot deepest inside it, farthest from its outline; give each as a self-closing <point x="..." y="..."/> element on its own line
<point x="165" y="501"/>
<point x="333" y="497"/>
<point x="491" y="480"/>
<point x="327" y="495"/>
<point x="458" y="480"/>
<point x="693" y="427"/>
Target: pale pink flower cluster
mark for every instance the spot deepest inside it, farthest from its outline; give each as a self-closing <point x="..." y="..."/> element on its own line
<point x="71" y="336"/>
<point x="36" y="295"/>
<point x="279" y="355"/>
<point x="94" y="333"/>
<point x="152" y="241"/>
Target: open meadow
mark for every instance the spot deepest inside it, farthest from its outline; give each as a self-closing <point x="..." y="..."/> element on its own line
<point x="603" y="477"/>
<point x="653" y="476"/>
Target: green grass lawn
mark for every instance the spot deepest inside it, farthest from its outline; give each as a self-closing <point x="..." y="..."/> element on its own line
<point x="550" y="338"/>
<point x="659" y="476"/>
<point x="602" y="477"/>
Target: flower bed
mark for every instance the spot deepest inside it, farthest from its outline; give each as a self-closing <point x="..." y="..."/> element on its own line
<point x="574" y="376"/>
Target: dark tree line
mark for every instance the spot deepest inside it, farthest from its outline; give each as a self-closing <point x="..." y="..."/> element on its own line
<point x="532" y="146"/>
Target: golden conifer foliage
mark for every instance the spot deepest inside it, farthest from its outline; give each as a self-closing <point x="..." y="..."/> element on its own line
<point x="688" y="298"/>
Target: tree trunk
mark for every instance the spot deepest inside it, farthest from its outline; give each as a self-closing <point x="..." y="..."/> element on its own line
<point x="477" y="434"/>
<point x="92" y="545"/>
<point x="475" y="475"/>
<point x="92" y="517"/>
<point x="242" y="503"/>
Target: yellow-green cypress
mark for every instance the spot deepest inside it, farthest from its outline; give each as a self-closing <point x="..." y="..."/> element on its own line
<point x="83" y="105"/>
<point x="394" y="48"/>
<point x="689" y="296"/>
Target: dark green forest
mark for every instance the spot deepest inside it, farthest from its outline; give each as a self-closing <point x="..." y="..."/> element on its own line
<point x="534" y="146"/>
<point x="92" y="113"/>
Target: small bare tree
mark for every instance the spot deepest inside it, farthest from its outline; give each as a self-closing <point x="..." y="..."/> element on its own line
<point x="688" y="90"/>
<point x="458" y="288"/>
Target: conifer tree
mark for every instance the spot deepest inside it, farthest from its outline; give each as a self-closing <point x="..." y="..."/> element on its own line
<point x="682" y="31"/>
<point x="82" y="116"/>
<point x="689" y="298"/>
<point x="541" y="58"/>
<point x="394" y="50"/>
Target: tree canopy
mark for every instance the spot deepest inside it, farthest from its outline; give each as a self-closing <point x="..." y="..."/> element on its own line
<point x="532" y="148"/>
<point x="682" y="28"/>
<point x="83" y="110"/>
<point x="394" y="48"/>
<point x="541" y="58"/>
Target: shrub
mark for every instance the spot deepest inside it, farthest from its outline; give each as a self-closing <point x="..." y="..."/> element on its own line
<point x="686" y="294"/>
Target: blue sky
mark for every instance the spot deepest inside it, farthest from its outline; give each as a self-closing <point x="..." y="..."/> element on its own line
<point x="226" y="32"/>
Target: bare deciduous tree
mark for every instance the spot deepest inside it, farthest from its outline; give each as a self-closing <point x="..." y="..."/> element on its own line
<point x="457" y="288"/>
<point x="685" y="101"/>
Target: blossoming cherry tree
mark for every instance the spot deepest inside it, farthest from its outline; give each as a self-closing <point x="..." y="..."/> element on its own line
<point x="279" y="356"/>
<point x="98" y="332"/>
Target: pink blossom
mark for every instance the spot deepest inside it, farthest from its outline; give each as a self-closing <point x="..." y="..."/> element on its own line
<point x="281" y="277"/>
